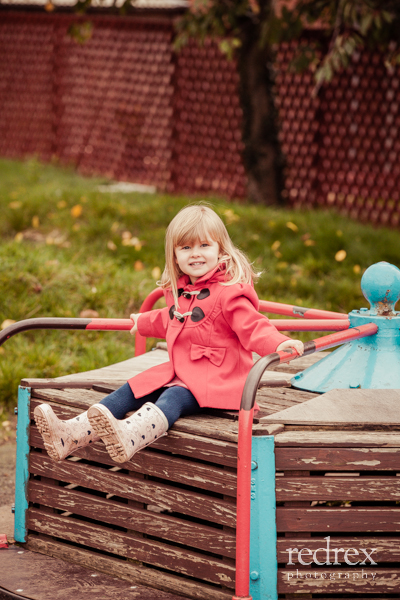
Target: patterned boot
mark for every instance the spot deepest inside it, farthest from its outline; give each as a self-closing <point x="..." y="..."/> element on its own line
<point x="61" y="438"/>
<point x="123" y="438"/>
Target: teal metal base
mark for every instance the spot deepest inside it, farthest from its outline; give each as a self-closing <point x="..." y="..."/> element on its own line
<point x="263" y="559"/>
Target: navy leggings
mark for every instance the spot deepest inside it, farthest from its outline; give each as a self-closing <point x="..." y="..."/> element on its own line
<point x="174" y="402"/>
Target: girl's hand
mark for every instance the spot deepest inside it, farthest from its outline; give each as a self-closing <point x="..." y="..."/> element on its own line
<point x="296" y="344"/>
<point x="135" y="319"/>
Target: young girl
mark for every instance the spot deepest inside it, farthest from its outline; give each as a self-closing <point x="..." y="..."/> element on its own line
<point x="212" y="326"/>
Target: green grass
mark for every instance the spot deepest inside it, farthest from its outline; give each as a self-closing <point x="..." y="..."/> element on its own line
<point x="62" y="252"/>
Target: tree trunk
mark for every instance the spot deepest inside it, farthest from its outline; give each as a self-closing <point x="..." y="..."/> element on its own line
<point x="262" y="156"/>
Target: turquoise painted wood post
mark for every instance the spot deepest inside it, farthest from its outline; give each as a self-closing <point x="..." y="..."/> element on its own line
<point x="22" y="466"/>
<point x="263" y="539"/>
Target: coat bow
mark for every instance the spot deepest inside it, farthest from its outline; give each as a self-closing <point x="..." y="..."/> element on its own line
<point x="214" y="355"/>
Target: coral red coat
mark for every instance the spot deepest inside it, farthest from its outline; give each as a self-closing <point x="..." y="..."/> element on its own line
<point x="211" y="349"/>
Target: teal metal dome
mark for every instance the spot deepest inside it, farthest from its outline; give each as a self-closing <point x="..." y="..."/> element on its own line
<point x="372" y="362"/>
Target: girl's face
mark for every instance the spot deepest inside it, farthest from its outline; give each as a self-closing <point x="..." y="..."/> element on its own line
<point x="197" y="258"/>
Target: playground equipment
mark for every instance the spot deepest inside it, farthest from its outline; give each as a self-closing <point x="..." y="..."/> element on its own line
<point x="360" y="334"/>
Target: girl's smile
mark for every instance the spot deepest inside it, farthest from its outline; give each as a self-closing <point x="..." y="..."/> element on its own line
<point x="197" y="258"/>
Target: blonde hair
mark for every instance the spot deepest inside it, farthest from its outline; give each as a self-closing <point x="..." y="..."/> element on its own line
<point x="199" y="222"/>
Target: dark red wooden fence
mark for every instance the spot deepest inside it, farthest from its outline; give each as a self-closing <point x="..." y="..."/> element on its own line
<point x="125" y="105"/>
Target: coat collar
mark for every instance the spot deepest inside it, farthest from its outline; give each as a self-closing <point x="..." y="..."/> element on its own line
<point x="215" y="275"/>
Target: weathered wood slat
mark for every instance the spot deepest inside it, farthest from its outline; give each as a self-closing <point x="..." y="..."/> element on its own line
<point x="149" y="492"/>
<point x="198" y="536"/>
<point x="124" y="544"/>
<point x="76" y="398"/>
<point x="127" y="570"/>
<point x="300" y="363"/>
<point x="208" y="426"/>
<point x="385" y="581"/>
<point x="344" y="407"/>
<point x="330" y="459"/>
<point x="349" y="439"/>
<point x="386" y="549"/>
<point x="285" y="394"/>
<point x="150" y="462"/>
<point x="338" y="519"/>
<point x="338" y="488"/>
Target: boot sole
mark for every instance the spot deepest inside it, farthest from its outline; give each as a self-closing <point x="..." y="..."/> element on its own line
<point x="42" y="420"/>
<point x="105" y="429"/>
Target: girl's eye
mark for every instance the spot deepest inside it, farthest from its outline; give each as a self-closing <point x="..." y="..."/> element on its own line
<point x="185" y="247"/>
<point x="204" y="244"/>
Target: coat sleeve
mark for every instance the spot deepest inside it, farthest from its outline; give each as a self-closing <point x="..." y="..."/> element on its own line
<point x="154" y="323"/>
<point x="255" y="332"/>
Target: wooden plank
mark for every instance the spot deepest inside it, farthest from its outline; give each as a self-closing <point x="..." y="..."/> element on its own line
<point x="299" y="364"/>
<point x="128" y="571"/>
<point x="165" y="496"/>
<point x="330" y="459"/>
<point x="184" y="561"/>
<point x="77" y="398"/>
<point x="45" y="578"/>
<point x="386" y="549"/>
<point x="208" y="426"/>
<point x="351" y="439"/>
<point x="337" y="407"/>
<point x="370" y="489"/>
<point x="343" y="580"/>
<point x="196" y="535"/>
<point x="338" y="519"/>
<point x="155" y="464"/>
<point x="287" y="394"/>
<point x="54" y="384"/>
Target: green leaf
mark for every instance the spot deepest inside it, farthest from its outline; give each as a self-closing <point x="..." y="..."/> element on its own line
<point x="366" y="23"/>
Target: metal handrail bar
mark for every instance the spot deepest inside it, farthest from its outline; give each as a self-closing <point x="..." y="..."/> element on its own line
<point x="244" y="442"/>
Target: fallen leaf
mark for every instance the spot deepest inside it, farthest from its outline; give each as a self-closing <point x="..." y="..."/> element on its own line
<point x="15" y="205"/>
<point x="76" y="211"/>
<point x="356" y="269"/>
<point x="88" y="313"/>
<point x="292" y="226"/>
<point x="138" y="266"/>
<point x="111" y="245"/>
<point x="19" y="236"/>
<point x="309" y="243"/>
<point x="275" y="245"/>
<point x="61" y="204"/>
<point x="7" y="323"/>
<point x="35" y="222"/>
<point x="339" y="233"/>
<point x="156" y="273"/>
<point x="340" y="255"/>
<point x="231" y="216"/>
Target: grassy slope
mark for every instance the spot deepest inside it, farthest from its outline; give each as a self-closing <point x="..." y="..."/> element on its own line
<point x="61" y="252"/>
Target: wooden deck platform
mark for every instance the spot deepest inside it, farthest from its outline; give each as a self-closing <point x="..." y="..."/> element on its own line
<point x="166" y="519"/>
